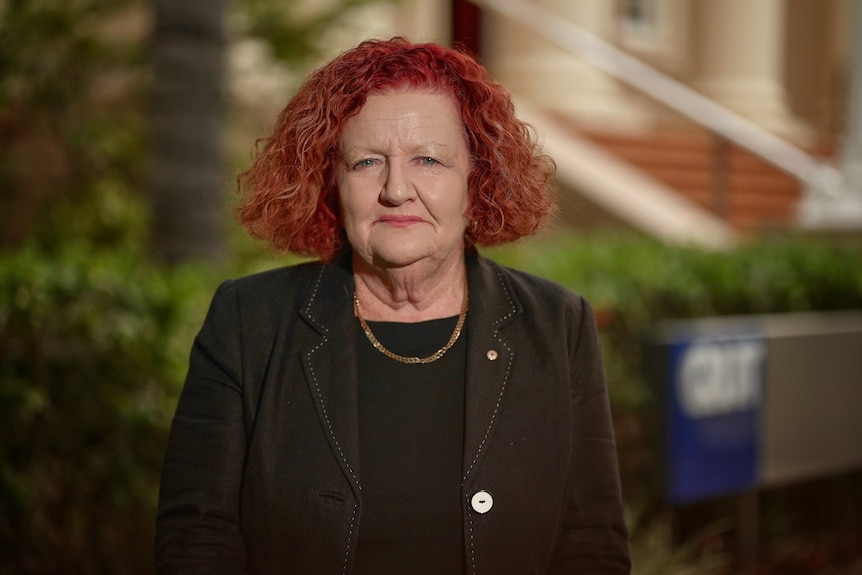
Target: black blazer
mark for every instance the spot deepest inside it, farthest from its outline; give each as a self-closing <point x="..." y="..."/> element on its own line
<point x="262" y="473"/>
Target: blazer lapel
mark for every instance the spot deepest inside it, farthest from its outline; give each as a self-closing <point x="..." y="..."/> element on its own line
<point x="489" y="356"/>
<point x="329" y="363"/>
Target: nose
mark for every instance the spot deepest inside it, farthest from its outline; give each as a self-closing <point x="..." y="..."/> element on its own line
<point x="397" y="187"/>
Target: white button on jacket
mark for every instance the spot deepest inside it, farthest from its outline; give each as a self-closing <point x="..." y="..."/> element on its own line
<point x="482" y="502"/>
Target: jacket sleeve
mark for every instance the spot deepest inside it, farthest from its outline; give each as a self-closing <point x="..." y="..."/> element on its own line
<point x="197" y="526"/>
<point x="594" y="539"/>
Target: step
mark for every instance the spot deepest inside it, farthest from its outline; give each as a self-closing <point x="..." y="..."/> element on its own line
<point x="758" y="195"/>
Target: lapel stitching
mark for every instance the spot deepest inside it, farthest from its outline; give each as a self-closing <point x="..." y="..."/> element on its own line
<point x="496" y="407"/>
<point x="497" y="324"/>
<point x="325" y="413"/>
<point x="349" y="539"/>
<point x="472" y="548"/>
<point x="311" y="299"/>
<point x="316" y="383"/>
<point x="505" y="384"/>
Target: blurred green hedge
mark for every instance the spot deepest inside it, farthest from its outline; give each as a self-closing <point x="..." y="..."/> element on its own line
<point x="94" y="343"/>
<point x="93" y="346"/>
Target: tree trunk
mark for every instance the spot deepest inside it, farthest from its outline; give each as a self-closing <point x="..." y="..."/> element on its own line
<point x="187" y="188"/>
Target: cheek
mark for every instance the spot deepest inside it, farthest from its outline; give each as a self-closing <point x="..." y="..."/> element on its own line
<point x="347" y="198"/>
<point x="355" y="214"/>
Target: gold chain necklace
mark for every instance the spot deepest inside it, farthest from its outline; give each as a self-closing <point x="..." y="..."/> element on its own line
<point x="414" y="360"/>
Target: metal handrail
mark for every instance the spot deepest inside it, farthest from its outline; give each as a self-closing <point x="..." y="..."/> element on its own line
<point x="677" y="96"/>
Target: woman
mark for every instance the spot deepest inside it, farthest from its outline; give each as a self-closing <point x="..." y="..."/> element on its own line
<point x="402" y="405"/>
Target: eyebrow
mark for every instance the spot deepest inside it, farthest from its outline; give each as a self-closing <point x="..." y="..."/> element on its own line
<point x="427" y="146"/>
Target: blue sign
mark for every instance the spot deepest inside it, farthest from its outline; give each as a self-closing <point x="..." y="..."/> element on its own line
<point x="715" y="401"/>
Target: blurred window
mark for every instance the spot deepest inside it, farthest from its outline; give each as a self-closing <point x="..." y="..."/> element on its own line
<point x="639" y="15"/>
<point x="655" y="31"/>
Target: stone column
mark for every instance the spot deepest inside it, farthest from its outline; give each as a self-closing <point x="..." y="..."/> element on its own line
<point x="836" y="204"/>
<point x="535" y="69"/>
<point x="741" y="62"/>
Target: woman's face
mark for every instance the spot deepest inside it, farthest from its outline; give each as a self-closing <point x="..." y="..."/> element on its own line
<point x="402" y="179"/>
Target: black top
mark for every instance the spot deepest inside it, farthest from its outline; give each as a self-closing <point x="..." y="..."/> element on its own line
<point x="411" y="436"/>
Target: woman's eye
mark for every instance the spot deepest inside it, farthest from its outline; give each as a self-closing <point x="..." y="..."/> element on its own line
<point x="366" y="163"/>
<point x="429" y="161"/>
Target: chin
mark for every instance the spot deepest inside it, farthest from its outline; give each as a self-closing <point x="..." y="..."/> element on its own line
<point x="395" y="261"/>
<point x="399" y="257"/>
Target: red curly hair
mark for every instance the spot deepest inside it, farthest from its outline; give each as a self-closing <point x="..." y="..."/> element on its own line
<point x="289" y="196"/>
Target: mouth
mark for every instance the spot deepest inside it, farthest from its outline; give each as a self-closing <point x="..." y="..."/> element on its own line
<point x="399" y="221"/>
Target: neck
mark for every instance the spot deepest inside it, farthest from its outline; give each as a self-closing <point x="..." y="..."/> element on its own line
<point x="410" y="293"/>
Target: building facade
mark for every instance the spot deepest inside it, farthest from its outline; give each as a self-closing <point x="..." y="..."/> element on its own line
<point x="692" y="120"/>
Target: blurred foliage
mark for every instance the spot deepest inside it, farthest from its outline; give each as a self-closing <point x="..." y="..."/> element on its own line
<point x="93" y="346"/>
<point x="72" y="95"/>
<point x="655" y="549"/>
<point x="80" y="48"/>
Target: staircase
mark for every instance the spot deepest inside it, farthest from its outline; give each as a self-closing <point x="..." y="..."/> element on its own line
<point x="672" y="184"/>
<point x="754" y="196"/>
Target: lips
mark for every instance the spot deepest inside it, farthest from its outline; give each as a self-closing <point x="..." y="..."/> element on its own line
<point x="400" y="221"/>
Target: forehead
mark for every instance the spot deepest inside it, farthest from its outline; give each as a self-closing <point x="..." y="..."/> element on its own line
<point x="404" y="112"/>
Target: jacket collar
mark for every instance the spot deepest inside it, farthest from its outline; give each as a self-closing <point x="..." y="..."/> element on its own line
<point x="490" y="355"/>
<point x="330" y="359"/>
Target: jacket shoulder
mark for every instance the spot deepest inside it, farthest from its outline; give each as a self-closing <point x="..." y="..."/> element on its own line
<point x="282" y="284"/>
